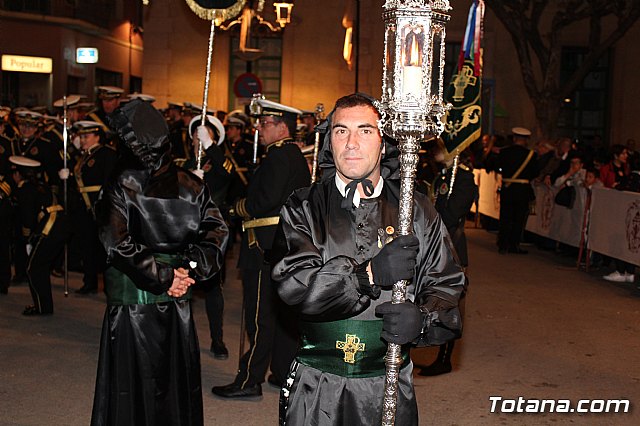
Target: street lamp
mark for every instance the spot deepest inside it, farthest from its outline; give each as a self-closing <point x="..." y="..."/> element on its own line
<point x="283" y="12"/>
<point x="411" y="108"/>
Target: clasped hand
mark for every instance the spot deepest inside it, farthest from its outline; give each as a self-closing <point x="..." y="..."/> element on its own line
<point x="396" y="261"/>
<point x="181" y="283"/>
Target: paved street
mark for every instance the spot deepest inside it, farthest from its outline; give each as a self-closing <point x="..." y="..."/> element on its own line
<point x="535" y="327"/>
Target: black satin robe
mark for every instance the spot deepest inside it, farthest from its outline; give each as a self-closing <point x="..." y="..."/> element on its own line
<point x="149" y="367"/>
<point x="318" y="249"/>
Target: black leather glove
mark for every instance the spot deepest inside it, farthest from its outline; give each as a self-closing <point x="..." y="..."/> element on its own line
<point x="401" y="323"/>
<point x="396" y="261"/>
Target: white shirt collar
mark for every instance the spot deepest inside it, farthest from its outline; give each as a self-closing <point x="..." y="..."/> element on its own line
<point x="342" y="187"/>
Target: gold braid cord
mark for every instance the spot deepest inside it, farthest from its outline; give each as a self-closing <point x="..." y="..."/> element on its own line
<point x="219" y="15"/>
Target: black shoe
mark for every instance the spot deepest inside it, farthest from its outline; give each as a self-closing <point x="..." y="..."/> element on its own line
<point x="219" y="350"/>
<point x="86" y="290"/>
<point x="31" y="310"/>
<point x="235" y="391"/>
<point x="4" y="289"/>
<point x="502" y="251"/>
<point x="436" y="369"/>
<point x="57" y="272"/>
<point x="273" y="381"/>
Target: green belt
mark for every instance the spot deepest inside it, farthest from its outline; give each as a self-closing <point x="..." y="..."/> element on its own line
<point x="347" y="348"/>
<point x="121" y="290"/>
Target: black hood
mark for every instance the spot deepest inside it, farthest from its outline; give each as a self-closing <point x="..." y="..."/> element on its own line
<point x="144" y="131"/>
<point x="389" y="165"/>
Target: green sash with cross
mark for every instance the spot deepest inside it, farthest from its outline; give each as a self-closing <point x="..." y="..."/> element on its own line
<point x="348" y="348"/>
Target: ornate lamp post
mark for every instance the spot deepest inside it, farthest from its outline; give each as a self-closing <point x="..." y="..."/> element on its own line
<point x="412" y="107"/>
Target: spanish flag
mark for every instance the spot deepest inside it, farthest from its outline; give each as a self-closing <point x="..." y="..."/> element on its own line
<point x="463" y="123"/>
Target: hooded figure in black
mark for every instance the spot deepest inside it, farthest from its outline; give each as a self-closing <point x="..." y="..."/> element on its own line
<point x="334" y="262"/>
<point x="161" y="231"/>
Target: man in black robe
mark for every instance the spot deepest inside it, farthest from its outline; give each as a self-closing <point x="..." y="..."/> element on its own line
<point x="161" y="231"/>
<point x="334" y="264"/>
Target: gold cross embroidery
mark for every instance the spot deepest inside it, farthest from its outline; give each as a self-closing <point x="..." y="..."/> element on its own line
<point x="350" y="347"/>
<point x="460" y="82"/>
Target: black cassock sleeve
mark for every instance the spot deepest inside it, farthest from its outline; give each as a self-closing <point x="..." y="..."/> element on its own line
<point x="439" y="281"/>
<point x="319" y="290"/>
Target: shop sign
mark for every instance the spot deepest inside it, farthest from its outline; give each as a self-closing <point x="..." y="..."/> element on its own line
<point x="27" y="64"/>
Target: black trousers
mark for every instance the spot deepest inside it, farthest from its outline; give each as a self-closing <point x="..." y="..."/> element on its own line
<point x="92" y="254"/>
<point x="214" y="305"/>
<point x="514" y="210"/>
<point x="271" y="329"/>
<point x="45" y="251"/>
<point x="5" y="243"/>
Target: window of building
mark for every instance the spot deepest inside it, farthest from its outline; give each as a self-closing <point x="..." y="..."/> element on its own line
<point x="267" y="67"/>
<point x="135" y="84"/>
<point x="584" y="116"/>
<point x="108" y="78"/>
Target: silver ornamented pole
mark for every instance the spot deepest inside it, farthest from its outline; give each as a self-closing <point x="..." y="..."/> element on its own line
<point x="65" y="150"/>
<point x="205" y="96"/>
<point x="316" y="145"/>
<point x="255" y="110"/>
<point x="412" y="109"/>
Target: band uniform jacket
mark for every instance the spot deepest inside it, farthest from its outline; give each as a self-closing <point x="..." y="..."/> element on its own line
<point x="454" y="208"/>
<point x="46" y="152"/>
<point x="91" y="170"/>
<point x="282" y="170"/>
<point x="509" y="161"/>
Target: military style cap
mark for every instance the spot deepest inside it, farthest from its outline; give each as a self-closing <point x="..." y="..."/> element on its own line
<point x="51" y="118"/>
<point x="521" y="131"/>
<point x="19" y="160"/>
<point x="72" y="102"/>
<point x="197" y="108"/>
<point x="212" y="122"/>
<point x="142" y="97"/>
<point x="307" y="113"/>
<point x="264" y="107"/>
<point x="86" y="106"/>
<point x="24" y="116"/>
<point x="85" y="126"/>
<point x="234" y="121"/>
<point x="175" y="105"/>
<point x="109" y="92"/>
<point x="4" y="111"/>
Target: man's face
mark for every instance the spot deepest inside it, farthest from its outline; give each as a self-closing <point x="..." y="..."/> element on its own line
<point x="110" y="105"/>
<point x="271" y="130"/>
<point x="27" y="129"/>
<point x="589" y="179"/>
<point x="233" y="133"/>
<point x="88" y="140"/>
<point x="356" y="143"/>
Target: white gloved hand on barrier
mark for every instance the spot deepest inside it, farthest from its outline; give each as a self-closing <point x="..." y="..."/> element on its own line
<point x="63" y="174"/>
<point x="204" y="137"/>
<point x="199" y="173"/>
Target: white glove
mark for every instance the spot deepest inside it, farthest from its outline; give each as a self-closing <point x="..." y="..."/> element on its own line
<point x="76" y="142"/>
<point x="63" y="174"/>
<point x="199" y="173"/>
<point x="204" y="137"/>
<point x="29" y="248"/>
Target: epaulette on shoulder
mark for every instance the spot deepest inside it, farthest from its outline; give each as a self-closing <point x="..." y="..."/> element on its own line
<point x="43" y="139"/>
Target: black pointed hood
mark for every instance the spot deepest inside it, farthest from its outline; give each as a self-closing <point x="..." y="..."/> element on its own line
<point x="144" y="131"/>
